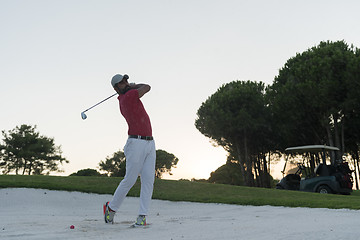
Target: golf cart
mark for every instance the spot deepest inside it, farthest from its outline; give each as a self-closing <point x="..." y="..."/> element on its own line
<point x="313" y="174"/>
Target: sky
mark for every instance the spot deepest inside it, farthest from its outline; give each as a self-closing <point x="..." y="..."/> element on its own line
<point x="57" y="58"/>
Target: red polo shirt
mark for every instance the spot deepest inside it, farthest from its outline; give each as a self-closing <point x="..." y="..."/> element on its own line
<point x="134" y="112"/>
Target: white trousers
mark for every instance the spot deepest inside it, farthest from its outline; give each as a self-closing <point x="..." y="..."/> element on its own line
<point x="140" y="160"/>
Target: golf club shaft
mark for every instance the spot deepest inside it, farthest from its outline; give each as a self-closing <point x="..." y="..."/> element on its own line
<point x="100" y="102"/>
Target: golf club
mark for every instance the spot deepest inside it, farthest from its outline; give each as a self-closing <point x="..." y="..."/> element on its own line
<point x="83" y="115"/>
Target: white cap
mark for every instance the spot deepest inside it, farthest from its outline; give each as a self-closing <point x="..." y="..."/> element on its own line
<point x="118" y="78"/>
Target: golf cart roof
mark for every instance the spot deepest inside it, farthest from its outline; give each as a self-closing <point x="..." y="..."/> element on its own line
<point x="311" y="148"/>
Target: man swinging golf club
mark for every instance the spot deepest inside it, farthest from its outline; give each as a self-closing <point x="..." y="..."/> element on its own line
<point x="139" y="150"/>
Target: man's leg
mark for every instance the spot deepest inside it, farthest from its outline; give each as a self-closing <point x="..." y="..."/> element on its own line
<point x="147" y="179"/>
<point x="123" y="189"/>
<point x="133" y="153"/>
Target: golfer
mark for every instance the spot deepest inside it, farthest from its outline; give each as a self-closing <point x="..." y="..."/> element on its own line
<point x="139" y="150"/>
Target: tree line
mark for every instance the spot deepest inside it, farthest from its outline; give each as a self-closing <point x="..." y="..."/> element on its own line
<point x="25" y="151"/>
<point x="115" y="165"/>
<point x="315" y="99"/>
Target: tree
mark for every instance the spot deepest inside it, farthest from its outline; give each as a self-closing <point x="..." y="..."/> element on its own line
<point x="25" y="151"/>
<point x="229" y="173"/>
<point x="236" y="117"/>
<point x="87" y="172"/>
<point x="115" y="166"/>
<point x="164" y="162"/>
<point x="315" y="99"/>
<point x="352" y="118"/>
<point x="309" y="96"/>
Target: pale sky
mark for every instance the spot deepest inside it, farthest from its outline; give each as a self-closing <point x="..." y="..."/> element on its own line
<point x="57" y="59"/>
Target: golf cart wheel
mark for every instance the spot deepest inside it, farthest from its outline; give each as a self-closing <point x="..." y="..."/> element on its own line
<point x="324" y="189"/>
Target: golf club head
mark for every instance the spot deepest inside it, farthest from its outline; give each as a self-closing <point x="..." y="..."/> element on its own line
<point x="83" y="116"/>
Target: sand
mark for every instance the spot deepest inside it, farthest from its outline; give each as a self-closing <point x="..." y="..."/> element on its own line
<point x="44" y="214"/>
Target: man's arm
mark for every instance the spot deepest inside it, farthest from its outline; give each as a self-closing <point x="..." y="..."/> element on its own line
<point x="142" y="88"/>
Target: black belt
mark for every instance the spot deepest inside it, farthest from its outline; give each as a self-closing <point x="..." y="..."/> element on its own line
<point x="141" y="137"/>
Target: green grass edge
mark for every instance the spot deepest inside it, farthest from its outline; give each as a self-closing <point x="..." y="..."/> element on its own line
<point x="181" y="190"/>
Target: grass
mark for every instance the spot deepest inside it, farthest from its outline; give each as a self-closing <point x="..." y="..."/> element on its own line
<point x="189" y="191"/>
